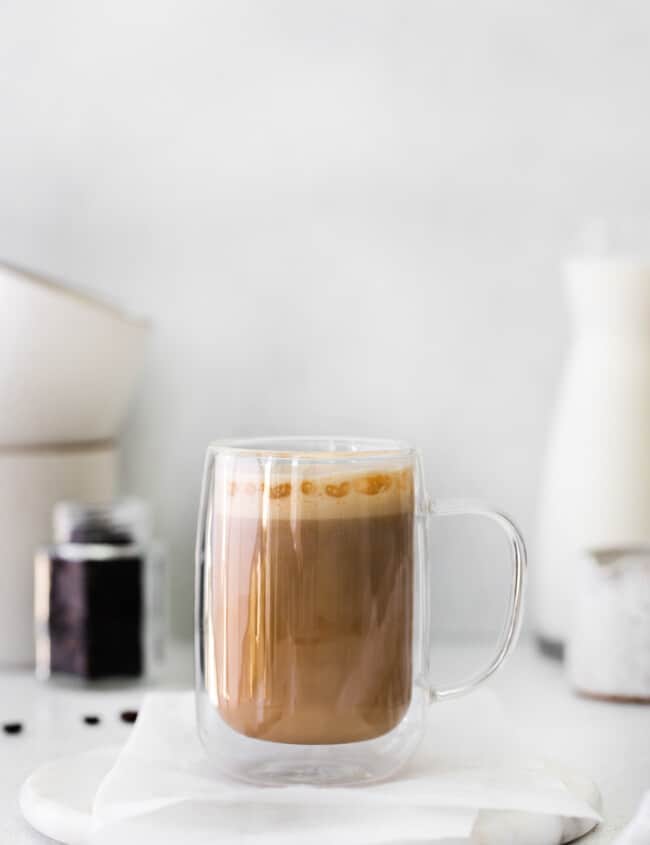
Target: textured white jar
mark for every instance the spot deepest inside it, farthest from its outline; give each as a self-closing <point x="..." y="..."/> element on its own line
<point x="608" y="647"/>
<point x="596" y="483"/>
<point x="32" y="481"/>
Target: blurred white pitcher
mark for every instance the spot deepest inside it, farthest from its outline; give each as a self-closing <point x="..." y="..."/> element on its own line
<point x="596" y="484"/>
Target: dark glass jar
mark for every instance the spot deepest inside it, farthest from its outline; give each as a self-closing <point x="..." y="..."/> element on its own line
<point x="99" y="596"/>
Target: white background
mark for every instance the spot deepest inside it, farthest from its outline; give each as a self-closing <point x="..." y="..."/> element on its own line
<point x="341" y="217"/>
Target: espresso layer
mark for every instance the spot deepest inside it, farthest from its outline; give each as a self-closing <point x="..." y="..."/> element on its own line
<point x="312" y="625"/>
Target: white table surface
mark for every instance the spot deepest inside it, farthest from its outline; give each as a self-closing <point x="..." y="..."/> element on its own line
<point x="608" y="742"/>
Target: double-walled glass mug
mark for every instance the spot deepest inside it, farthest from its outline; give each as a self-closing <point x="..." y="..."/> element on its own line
<point x="312" y="608"/>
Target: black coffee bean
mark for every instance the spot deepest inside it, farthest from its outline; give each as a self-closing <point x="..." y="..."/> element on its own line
<point x="12" y="727"/>
<point x="129" y="716"/>
<point x="92" y="720"/>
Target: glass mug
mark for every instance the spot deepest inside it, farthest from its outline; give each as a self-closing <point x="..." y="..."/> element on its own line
<point x="312" y="608"/>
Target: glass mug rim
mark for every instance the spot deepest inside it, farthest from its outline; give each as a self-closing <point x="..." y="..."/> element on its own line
<point x="321" y="448"/>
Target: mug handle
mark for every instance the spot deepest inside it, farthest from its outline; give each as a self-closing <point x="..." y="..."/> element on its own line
<point x="512" y="625"/>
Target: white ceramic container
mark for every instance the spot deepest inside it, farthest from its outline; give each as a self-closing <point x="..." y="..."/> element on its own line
<point x="608" y="646"/>
<point x="68" y="364"/>
<point x="596" y="481"/>
<point x="32" y="481"/>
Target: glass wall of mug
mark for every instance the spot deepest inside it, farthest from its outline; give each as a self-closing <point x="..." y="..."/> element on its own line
<point x="312" y="625"/>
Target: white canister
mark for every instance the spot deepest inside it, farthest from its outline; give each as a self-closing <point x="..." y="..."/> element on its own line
<point x="596" y="479"/>
<point x="32" y="481"/>
<point x="608" y="648"/>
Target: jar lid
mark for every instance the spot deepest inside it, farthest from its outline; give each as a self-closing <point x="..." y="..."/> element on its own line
<point x="121" y="523"/>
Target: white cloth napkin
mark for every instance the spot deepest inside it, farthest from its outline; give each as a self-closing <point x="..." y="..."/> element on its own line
<point x="163" y="787"/>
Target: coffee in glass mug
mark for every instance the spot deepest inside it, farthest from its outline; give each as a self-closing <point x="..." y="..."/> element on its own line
<point x="313" y="586"/>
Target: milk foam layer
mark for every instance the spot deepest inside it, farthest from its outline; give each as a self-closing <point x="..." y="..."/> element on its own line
<point x="313" y="491"/>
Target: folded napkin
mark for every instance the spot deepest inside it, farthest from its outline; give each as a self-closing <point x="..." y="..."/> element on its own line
<point x="164" y="790"/>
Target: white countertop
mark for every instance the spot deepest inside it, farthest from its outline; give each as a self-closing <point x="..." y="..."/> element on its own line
<point x="608" y="742"/>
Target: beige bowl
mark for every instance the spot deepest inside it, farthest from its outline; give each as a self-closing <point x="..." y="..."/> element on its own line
<point x="68" y="364"/>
